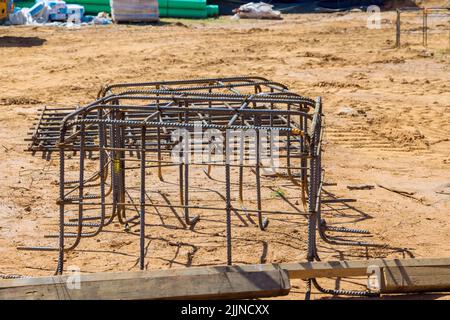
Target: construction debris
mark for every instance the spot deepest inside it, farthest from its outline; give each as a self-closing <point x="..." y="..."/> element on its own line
<point x="55" y="13"/>
<point x="360" y="187"/>
<point x="259" y="10"/>
<point x="408" y="194"/>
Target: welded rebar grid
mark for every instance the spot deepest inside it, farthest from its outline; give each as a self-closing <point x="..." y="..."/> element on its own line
<point x="106" y="147"/>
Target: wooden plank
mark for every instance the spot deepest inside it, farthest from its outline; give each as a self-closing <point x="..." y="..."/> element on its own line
<point x="330" y="269"/>
<point x="240" y="281"/>
<point x="416" y="279"/>
<point x="354" y="268"/>
<point x="189" y="283"/>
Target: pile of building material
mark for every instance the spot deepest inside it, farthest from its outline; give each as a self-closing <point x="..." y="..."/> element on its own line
<point x="134" y="10"/>
<point x="196" y="9"/>
<point x="54" y="12"/>
<point x="90" y="6"/>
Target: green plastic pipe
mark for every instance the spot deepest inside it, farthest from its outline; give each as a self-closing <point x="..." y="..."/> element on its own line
<point x="162" y="12"/>
<point x="187" y="13"/>
<point x="186" y="4"/>
<point x="212" y="10"/>
<point x="93" y="9"/>
<point x="91" y="2"/>
<point x="96" y="6"/>
<point x="163" y="3"/>
<point x="23" y="4"/>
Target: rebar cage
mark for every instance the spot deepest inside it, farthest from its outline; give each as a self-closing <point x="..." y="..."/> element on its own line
<point x="109" y="150"/>
<point x="45" y="133"/>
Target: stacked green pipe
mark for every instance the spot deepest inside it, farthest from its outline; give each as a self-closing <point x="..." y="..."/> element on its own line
<point x="187" y="9"/>
<point x="197" y="9"/>
<point x="23" y="4"/>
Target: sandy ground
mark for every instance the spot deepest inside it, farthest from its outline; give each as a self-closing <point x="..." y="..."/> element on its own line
<point x="395" y="133"/>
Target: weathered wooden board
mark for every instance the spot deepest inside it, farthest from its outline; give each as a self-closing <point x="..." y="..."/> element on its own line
<point x="189" y="283"/>
<point x="220" y="282"/>
<point x="330" y="269"/>
<point x="416" y="279"/>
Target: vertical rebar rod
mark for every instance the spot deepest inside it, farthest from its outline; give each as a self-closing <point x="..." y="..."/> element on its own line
<point x="142" y="200"/>
<point x="186" y="189"/>
<point x="258" y="174"/>
<point x="180" y="184"/>
<point x="60" y="266"/>
<point x="241" y="161"/>
<point x="271" y="108"/>
<point x="158" y="141"/>
<point x="311" y="210"/>
<point x="228" y="202"/>
<point x="303" y="161"/>
<point x="81" y="176"/>
<point x="313" y="185"/>
<point x="122" y="164"/>
<point x="101" y="133"/>
<point x="180" y="166"/>
<point x="209" y="122"/>
<point x="186" y="170"/>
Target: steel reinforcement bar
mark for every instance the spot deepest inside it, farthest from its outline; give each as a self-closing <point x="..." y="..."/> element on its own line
<point x="134" y="127"/>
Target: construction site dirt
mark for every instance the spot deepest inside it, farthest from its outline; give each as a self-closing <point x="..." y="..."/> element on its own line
<point x="386" y="141"/>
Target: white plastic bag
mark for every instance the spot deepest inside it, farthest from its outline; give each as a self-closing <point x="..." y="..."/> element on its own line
<point x="20" y="17"/>
<point x="259" y="10"/>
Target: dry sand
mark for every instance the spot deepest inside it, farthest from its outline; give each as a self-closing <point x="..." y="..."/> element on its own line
<point x="397" y="134"/>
